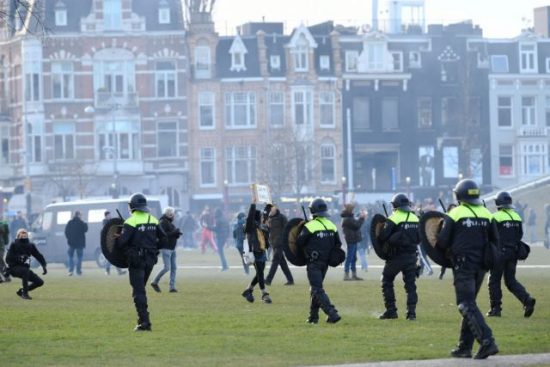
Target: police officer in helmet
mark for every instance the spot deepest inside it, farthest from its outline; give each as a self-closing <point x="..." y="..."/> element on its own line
<point x="140" y="240"/>
<point x="510" y="231"/>
<point x="401" y="233"/>
<point x="318" y="237"/>
<point x="467" y="231"/>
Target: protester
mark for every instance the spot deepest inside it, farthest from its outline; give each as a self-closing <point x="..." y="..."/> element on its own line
<point x="75" y="232"/>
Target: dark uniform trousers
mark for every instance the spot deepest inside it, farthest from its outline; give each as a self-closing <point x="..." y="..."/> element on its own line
<point x="139" y="272"/>
<point x="505" y="266"/>
<point x="27" y="276"/>
<point x="279" y="260"/>
<point x="316" y="272"/>
<point x="467" y="282"/>
<point x="405" y="263"/>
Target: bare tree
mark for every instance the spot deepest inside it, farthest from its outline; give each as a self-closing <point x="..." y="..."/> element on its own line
<point x="28" y="13"/>
<point x="71" y="177"/>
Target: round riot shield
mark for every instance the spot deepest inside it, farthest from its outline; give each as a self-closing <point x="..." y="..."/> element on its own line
<point x="113" y="253"/>
<point x="377" y="224"/>
<point x="291" y="232"/>
<point x="429" y="227"/>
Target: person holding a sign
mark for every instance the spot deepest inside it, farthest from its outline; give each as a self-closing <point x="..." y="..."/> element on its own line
<point x="255" y="251"/>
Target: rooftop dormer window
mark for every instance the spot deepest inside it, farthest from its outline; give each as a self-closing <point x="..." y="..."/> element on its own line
<point x="238" y="51"/>
<point x="164" y="12"/>
<point x="275" y="62"/>
<point x="112" y="15"/>
<point x="60" y="14"/>
<point x="301" y="54"/>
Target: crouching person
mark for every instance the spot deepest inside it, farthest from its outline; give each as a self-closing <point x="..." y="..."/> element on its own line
<point x="18" y="260"/>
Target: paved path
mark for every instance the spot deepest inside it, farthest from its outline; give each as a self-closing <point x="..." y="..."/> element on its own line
<point x="494" y="361"/>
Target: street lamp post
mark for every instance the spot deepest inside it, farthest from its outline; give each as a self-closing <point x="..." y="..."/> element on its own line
<point x="113" y="148"/>
<point x="344" y="189"/>
<point x="225" y="196"/>
<point x="408" y="181"/>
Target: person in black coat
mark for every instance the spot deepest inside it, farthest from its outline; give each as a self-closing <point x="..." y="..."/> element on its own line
<point x="221" y="231"/>
<point x="276" y="222"/>
<point x="75" y="232"/>
<point x="18" y="259"/>
<point x="168" y="249"/>
<point x="351" y="227"/>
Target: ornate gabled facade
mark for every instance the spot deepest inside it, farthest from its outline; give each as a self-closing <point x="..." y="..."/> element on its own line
<point x="519" y="102"/>
<point x="97" y="105"/>
<point x="414" y="111"/>
<point x="264" y="107"/>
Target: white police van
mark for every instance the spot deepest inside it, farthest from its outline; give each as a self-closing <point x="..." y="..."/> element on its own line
<point x="48" y="230"/>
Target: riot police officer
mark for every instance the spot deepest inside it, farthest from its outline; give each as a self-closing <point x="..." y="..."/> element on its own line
<point x="318" y="238"/>
<point x="401" y="233"/>
<point x="140" y="240"/>
<point x="510" y="231"/>
<point x="467" y="232"/>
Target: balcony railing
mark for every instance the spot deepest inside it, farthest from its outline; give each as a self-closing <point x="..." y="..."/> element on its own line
<point x="534" y="131"/>
<point x="107" y="100"/>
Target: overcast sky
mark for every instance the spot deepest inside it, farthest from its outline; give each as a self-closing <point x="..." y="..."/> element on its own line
<point x="498" y="18"/>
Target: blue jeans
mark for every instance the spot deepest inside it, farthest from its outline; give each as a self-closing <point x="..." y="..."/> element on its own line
<point x="363" y="257"/>
<point x="351" y="257"/>
<point x="169" y="261"/>
<point x="79" y="252"/>
<point x="221" y="243"/>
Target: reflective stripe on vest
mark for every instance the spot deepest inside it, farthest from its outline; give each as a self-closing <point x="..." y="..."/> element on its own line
<point x="138" y="218"/>
<point x="316" y="225"/>
<point x="506" y="215"/>
<point x="400" y="216"/>
<point x="467" y="211"/>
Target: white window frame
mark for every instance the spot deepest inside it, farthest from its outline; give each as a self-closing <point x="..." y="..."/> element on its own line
<point x="121" y="139"/>
<point x="35" y="143"/>
<point x="276" y="99"/>
<point x="528" y="58"/>
<point x="529" y="112"/>
<point x="204" y="159"/>
<point x="61" y="17"/>
<point x="509" y="108"/>
<point x="302" y="97"/>
<point x="422" y="116"/>
<point x="275" y="62"/>
<point x="383" y="117"/>
<point x="206" y="100"/>
<point x="112" y="21"/>
<point x="507" y="155"/>
<point x="324" y="62"/>
<point x="415" y="59"/>
<point x="352" y="61"/>
<point x="300" y="54"/>
<point x="530" y="151"/>
<point x="244" y="155"/>
<point x="328" y="153"/>
<point x="397" y="58"/>
<point x="203" y="64"/>
<point x="495" y="59"/>
<point x="65" y="131"/>
<point x="64" y="72"/>
<point x="167" y="129"/>
<point x="327" y="101"/>
<point x="164" y="15"/>
<point x="33" y="87"/>
<point x="166" y="76"/>
<point x="237" y="61"/>
<point x="375" y="56"/>
<point x="234" y="100"/>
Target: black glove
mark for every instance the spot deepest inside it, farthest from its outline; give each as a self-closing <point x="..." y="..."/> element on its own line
<point x="44" y="271"/>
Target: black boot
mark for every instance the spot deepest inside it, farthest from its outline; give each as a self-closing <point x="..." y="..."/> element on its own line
<point x="248" y="295"/>
<point x="494" y="312"/>
<point x="488" y="348"/>
<point x="388" y="314"/>
<point x="143" y="326"/>
<point x="411" y="314"/>
<point x="461" y="351"/>
<point x="327" y="307"/>
<point x="529" y="307"/>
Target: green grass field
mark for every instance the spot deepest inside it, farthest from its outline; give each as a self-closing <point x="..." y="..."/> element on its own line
<point x="88" y="320"/>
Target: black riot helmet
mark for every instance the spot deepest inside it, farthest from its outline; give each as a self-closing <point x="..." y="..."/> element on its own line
<point x="401" y="201"/>
<point x="318" y="208"/>
<point x="138" y="202"/>
<point x="467" y="191"/>
<point x="504" y="200"/>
